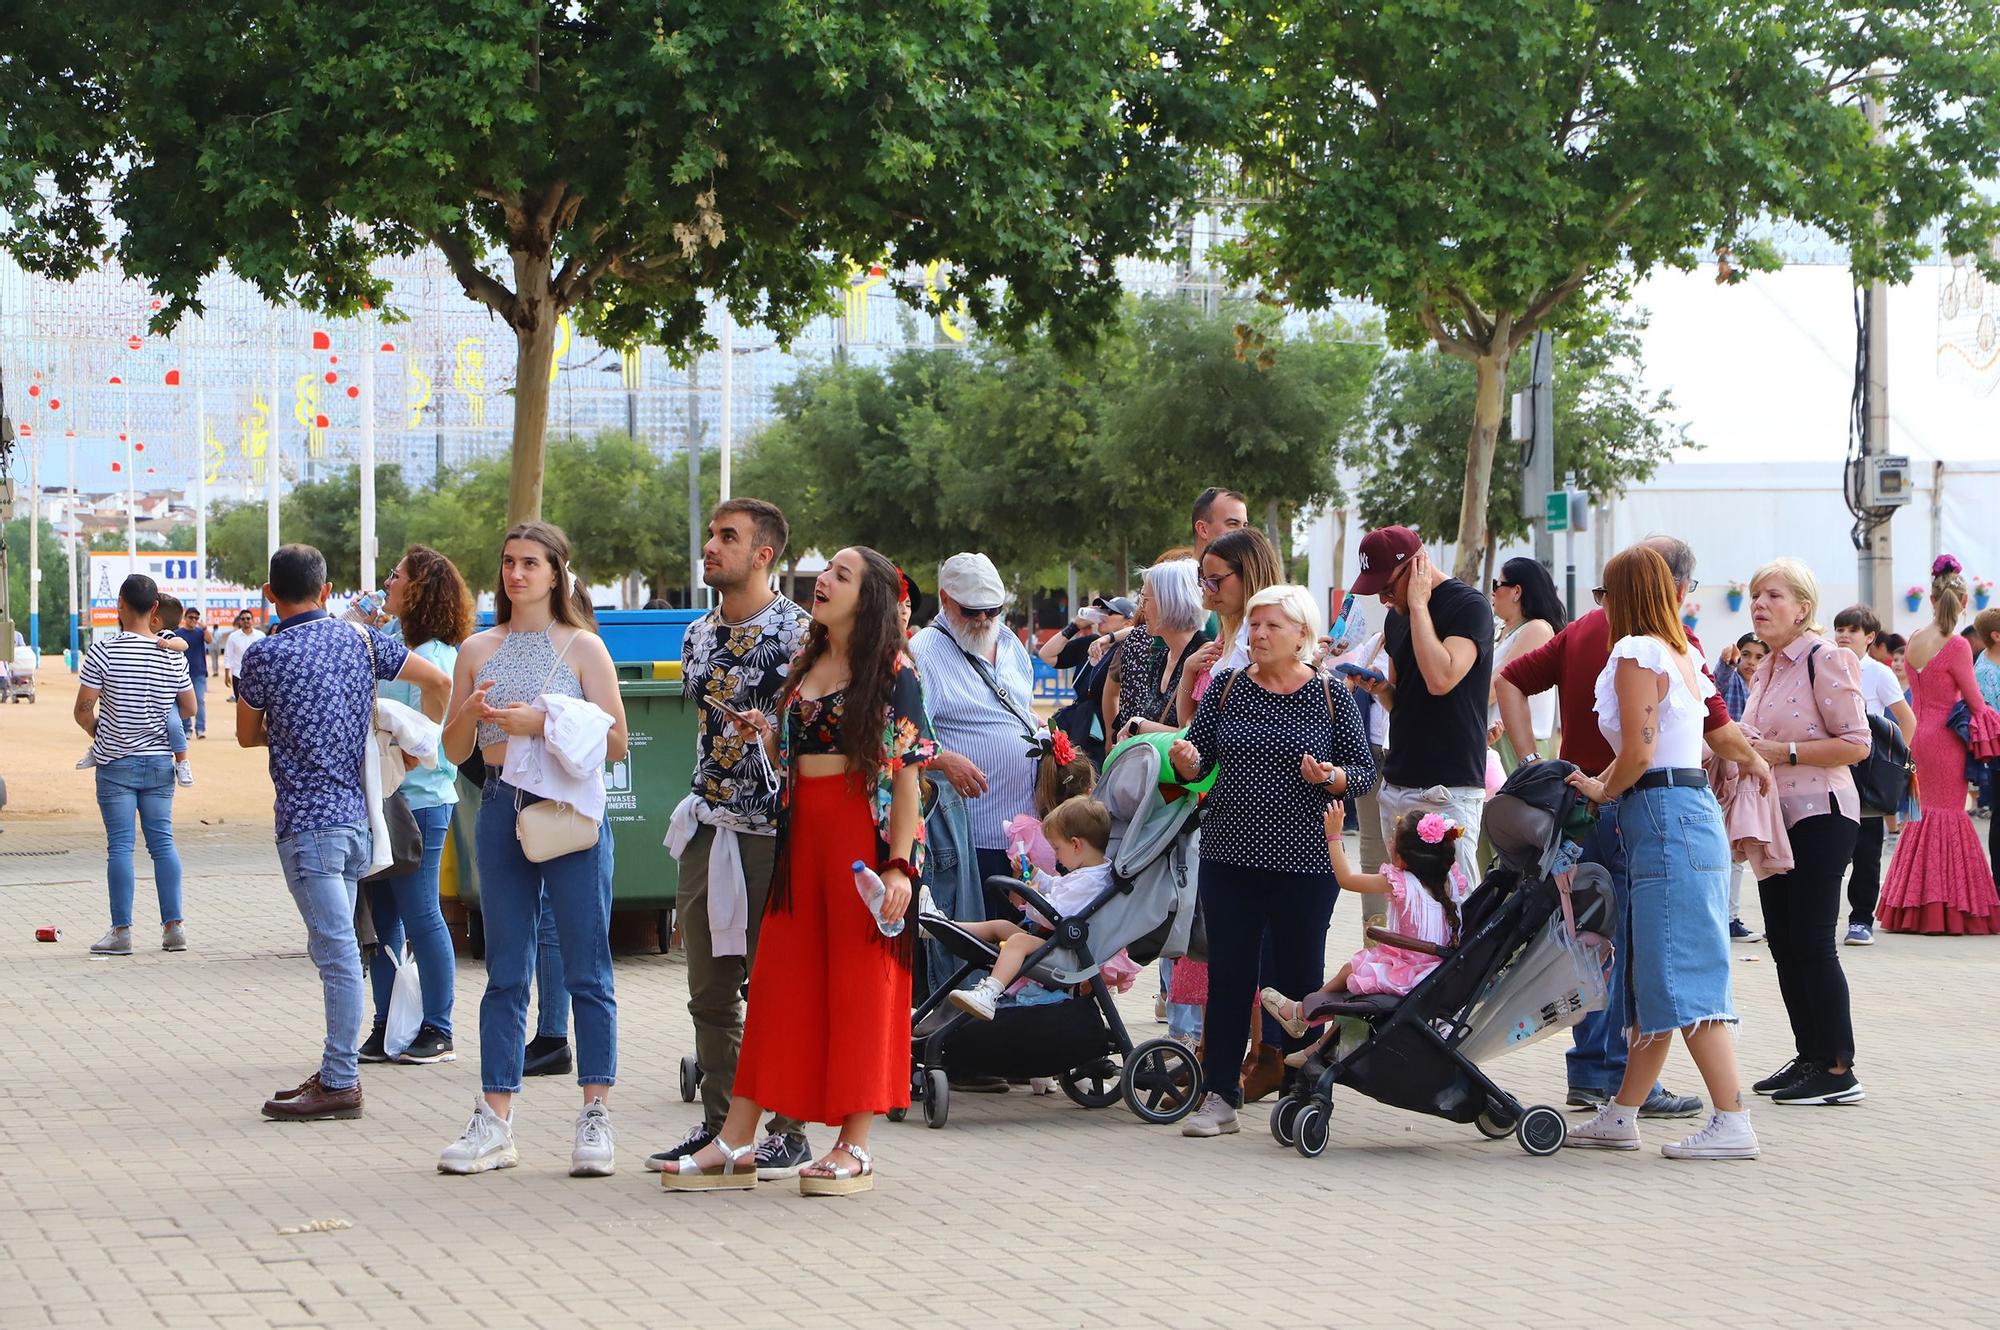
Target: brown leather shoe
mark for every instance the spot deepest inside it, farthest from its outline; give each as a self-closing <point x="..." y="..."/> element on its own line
<point x="313" y="1102"/>
<point x="1263" y="1072"/>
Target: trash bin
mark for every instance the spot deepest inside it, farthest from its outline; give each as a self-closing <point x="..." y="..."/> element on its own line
<point x="642" y="791"/>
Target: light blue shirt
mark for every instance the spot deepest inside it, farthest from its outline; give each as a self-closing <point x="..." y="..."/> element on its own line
<point x="972" y="721"/>
<point x="425" y="787"/>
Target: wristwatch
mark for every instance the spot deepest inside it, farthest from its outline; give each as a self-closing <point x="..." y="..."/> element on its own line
<point x="1792" y="754"/>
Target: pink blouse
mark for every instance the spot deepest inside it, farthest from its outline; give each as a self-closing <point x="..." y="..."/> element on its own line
<point x="1790" y="704"/>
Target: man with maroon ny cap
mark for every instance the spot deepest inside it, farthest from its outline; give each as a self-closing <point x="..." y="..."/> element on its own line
<point x="1438" y="636"/>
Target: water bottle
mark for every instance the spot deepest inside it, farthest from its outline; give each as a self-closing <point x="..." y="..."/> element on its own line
<point x="873" y="890"/>
<point x="365" y="608"/>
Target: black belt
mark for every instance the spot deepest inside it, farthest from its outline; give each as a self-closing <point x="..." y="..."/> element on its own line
<point x="1693" y="778"/>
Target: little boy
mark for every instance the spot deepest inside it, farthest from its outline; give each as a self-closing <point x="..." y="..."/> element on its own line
<point x="1856" y="629"/>
<point x="167" y="615"/>
<point x="1078" y="830"/>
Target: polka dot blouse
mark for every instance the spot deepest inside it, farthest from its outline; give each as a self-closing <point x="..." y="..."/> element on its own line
<point x="1261" y="813"/>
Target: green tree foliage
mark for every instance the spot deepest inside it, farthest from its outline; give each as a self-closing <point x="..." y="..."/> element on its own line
<point x="1609" y="432"/>
<point x="53" y="606"/>
<point x="1480" y="169"/>
<point x="610" y="159"/>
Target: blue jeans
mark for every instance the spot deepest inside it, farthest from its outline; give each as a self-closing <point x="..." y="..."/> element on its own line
<point x="551" y="996"/>
<point x="1597" y="1060"/>
<point x="510" y="895"/>
<point x="1183" y="1018"/>
<point x="406" y="909"/>
<point x="200" y="703"/>
<point x="322" y="867"/>
<point x="177" y="735"/>
<point x="141" y="786"/>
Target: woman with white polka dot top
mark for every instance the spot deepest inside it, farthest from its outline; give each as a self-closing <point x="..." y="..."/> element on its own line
<point x="1286" y="742"/>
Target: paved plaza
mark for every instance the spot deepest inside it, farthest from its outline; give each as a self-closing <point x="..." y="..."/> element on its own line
<point x="139" y="1187"/>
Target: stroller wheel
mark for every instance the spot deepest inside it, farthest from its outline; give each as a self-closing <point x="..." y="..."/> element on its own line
<point x="937" y="1099"/>
<point x="898" y="1114"/>
<point x="1315" y="1127"/>
<point x="1095" y="1086"/>
<point x="1541" y="1130"/>
<point x="690" y="1078"/>
<point x="1162" y="1081"/>
<point x="1495" y="1123"/>
<point x="1285" y="1121"/>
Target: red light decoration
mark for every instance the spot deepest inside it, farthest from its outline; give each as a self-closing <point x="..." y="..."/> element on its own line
<point x="138" y="447"/>
<point x="333" y="360"/>
<point x="388" y="346"/>
<point x="55" y="404"/>
<point x="115" y="380"/>
<point x="25" y="430"/>
<point x="354" y="392"/>
<point x="117" y="467"/>
<point x="134" y="341"/>
<point x="331" y="377"/>
<point x="173" y="378"/>
<point x="321" y="341"/>
<point x="34" y="390"/>
<point x="320" y="422"/>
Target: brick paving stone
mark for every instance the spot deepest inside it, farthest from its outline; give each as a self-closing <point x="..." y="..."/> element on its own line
<point x="139" y="1187"/>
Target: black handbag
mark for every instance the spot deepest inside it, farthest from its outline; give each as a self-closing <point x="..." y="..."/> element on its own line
<point x="406" y="839"/>
<point x="1881" y="779"/>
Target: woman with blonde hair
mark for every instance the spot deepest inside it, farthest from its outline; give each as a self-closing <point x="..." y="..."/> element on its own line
<point x="1651" y="703"/>
<point x="1235" y="567"/>
<point x="1807" y="718"/>
<point x="1939" y="881"/>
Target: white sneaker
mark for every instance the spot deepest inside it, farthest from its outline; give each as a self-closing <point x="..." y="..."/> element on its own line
<point x="488" y="1143"/>
<point x="1615" y="1127"/>
<point x="1727" y="1136"/>
<point x="183" y="773"/>
<point x="978" y="1000"/>
<point x="87" y="761"/>
<point x="1215" y="1117"/>
<point x="1042" y="1085"/>
<point x="115" y="942"/>
<point x="594" y="1155"/>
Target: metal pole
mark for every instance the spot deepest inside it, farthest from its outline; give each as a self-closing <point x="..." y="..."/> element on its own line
<point x="1541" y="474"/>
<point x="1875" y="566"/>
<point x="200" y="494"/>
<point x="35" y="545"/>
<point x="76" y="577"/>
<point x="131" y="485"/>
<point x="271" y="463"/>
<point x="368" y="461"/>
<point x="697" y="594"/>
<point x="728" y="398"/>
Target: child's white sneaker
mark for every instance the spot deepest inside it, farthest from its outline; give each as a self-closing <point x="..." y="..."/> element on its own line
<point x="88" y="760"/>
<point x="183" y="772"/>
<point x="1615" y="1127"/>
<point x="1041" y="1085"/>
<point x="978" y="1000"/>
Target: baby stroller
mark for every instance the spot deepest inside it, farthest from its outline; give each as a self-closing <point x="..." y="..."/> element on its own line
<point x="1148" y="911"/>
<point x="20" y="680"/>
<point x="1414" y="1054"/>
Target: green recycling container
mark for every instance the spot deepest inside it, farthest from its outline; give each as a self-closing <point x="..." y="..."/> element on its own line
<point x="642" y="791"/>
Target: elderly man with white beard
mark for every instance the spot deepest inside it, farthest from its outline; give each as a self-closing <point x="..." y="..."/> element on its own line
<point x="979" y="683"/>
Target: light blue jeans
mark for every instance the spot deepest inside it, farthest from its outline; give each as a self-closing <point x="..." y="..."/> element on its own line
<point x="406" y="908"/>
<point x="323" y="867"/>
<point x="551" y="995"/>
<point x="510" y="894"/>
<point x="200" y="703"/>
<point x="142" y="787"/>
<point x="177" y="735"/>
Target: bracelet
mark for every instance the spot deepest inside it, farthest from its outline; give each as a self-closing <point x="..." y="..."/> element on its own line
<point x="909" y="869"/>
<point x="1070" y="630"/>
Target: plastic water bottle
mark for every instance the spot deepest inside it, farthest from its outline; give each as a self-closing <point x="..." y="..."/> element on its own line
<point x="873" y="891"/>
<point x="364" y="608"/>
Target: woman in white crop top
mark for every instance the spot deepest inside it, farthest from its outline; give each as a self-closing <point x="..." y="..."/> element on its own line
<point x="1675" y="930"/>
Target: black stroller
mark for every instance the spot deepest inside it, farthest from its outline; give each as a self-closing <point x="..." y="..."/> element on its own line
<point x="1414" y="1053"/>
<point x="1081" y="1041"/>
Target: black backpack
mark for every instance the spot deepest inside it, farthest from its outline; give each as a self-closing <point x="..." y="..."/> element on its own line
<point x="1081" y="719"/>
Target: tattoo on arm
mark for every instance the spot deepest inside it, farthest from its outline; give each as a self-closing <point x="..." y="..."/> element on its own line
<point x="1646" y="733"/>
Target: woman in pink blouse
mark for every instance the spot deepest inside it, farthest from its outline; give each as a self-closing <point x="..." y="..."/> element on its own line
<point x="1806" y="718"/>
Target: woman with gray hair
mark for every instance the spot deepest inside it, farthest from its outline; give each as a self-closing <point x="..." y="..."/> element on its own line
<point x="1151" y="660"/>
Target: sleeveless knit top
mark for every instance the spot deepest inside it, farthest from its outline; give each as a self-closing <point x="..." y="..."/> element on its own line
<point x="521" y="671"/>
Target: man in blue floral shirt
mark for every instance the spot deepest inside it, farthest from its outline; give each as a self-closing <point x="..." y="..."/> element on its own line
<point x="307" y="692"/>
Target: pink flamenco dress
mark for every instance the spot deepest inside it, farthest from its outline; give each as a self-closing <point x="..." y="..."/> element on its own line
<point x="1413" y="912"/>
<point x="1939" y="881"/>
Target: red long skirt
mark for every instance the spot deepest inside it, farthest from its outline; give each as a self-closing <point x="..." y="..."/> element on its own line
<point x="827" y="1030"/>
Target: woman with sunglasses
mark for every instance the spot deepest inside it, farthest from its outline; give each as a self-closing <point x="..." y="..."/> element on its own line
<point x="1234" y="568"/>
<point x="1530" y="614"/>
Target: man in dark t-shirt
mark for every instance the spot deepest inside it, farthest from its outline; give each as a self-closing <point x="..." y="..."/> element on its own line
<point x="1438" y="636"/>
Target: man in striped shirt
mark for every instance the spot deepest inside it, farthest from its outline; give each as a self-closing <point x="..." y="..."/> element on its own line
<point x="128" y="685"/>
<point x="979" y="685"/>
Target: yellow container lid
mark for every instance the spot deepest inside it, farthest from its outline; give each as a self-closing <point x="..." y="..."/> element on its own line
<point x="666" y="669"/>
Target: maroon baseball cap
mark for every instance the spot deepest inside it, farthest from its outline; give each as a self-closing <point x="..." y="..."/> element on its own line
<point x="1382" y="553"/>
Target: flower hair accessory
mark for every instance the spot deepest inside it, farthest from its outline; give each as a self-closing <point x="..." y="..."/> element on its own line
<point x="1945" y="563"/>
<point x="1435" y="829"/>
<point x="1055" y="746"/>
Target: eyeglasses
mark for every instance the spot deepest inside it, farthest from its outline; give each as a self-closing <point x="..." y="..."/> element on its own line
<point x="990" y="612"/>
<point x="1215" y="583"/>
<point x="1597" y="594"/>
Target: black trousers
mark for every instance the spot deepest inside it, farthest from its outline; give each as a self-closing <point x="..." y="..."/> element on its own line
<point x="1801" y="910"/>
<point x="1243" y="909"/>
<point x="1864" y="880"/>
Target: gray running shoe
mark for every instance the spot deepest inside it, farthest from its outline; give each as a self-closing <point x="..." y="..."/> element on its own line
<point x="115" y="942"/>
<point x="173" y="937"/>
<point x="488" y="1143"/>
<point x="595" y="1155"/>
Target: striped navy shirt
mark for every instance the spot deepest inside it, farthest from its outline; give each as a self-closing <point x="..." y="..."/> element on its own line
<point x="137" y="683"/>
<point x="973" y="722"/>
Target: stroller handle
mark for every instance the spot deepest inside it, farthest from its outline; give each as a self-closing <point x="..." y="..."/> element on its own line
<point x="1376" y="933"/>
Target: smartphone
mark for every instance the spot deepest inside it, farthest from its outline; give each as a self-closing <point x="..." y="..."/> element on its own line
<point x="1353" y="671"/>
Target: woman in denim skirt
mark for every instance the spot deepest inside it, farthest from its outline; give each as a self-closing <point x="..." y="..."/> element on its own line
<point x="1650" y="706"/>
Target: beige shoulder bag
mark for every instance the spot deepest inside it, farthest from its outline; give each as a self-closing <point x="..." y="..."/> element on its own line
<point x="550" y="828"/>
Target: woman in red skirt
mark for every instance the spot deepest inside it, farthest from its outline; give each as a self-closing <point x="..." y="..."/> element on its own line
<point x="827" y="1034"/>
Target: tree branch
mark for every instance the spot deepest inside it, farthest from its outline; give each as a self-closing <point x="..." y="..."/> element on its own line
<point x="1444" y="337"/>
<point x="1477" y="321"/>
<point x="457" y="250"/>
<point x="578" y="278"/>
<point x="545" y="211"/>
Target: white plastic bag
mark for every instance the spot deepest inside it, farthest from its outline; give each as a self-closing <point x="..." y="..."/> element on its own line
<point x="1551" y="985"/>
<point x="406" y="1007"/>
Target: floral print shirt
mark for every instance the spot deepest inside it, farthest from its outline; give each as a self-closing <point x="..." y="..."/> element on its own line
<point x="738" y="666"/>
<point x="907" y="740"/>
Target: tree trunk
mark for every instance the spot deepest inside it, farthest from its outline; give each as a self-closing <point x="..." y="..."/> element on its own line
<point x="1492" y="550"/>
<point x="1479" y="447"/>
<point x="534" y="353"/>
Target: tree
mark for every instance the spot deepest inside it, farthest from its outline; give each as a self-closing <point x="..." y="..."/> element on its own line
<point x="323" y="513"/>
<point x="1480" y="169"/>
<point x="50" y="604"/>
<point x="1609" y="432"/>
<point x="626" y="158"/>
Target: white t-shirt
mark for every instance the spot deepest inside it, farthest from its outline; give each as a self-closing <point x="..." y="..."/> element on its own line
<point x="1879" y="689"/>
<point x="1681" y="713"/>
<point x="239" y="642"/>
<point x="1071" y="891"/>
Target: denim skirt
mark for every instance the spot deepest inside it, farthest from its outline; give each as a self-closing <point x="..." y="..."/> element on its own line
<point x="1677" y="911"/>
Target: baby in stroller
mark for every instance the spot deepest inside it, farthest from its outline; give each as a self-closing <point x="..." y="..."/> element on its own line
<point x="1424" y="886"/>
<point x="1078" y="831"/>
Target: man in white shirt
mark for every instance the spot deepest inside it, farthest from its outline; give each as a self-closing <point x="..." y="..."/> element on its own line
<point x="1855" y="629"/>
<point x="241" y="639"/>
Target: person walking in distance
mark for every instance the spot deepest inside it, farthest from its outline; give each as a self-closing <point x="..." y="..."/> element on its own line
<point x="191" y="632"/>
<point x="307" y="693"/>
<point x="127" y="686"/>
<point x="241" y="638"/>
<point x="735" y="659"/>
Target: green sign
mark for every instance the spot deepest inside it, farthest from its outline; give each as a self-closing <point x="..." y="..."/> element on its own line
<point x="1558" y="510"/>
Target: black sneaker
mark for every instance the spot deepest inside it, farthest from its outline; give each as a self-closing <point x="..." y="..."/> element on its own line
<point x="547" y="1056"/>
<point x="1664" y="1103"/>
<point x="1784" y="1076"/>
<point x="699" y="1136"/>
<point x="1583" y="1097"/>
<point x="780" y="1157"/>
<point x="1820" y="1086"/>
<point x="371" y="1047"/>
<point x="430" y="1045"/>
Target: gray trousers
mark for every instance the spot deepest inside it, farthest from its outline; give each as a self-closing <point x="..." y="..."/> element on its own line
<point x="717" y="984"/>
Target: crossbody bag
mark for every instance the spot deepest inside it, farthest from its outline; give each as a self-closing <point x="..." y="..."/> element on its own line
<point x="549" y="828"/>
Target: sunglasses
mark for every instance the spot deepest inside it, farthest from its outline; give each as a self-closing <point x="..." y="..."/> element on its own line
<point x="1499" y="582"/>
<point x="1597" y="592"/>
<point x="990" y="612"/>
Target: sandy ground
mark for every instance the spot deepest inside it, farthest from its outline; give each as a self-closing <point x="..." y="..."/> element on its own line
<point x="40" y="743"/>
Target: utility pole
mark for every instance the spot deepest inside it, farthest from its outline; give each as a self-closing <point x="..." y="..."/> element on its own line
<point x="34" y="547"/>
<point x="696" y="428"/>
<point x="1535" y="432"/>
<point x="77" y="577"/>
<point x="367" y="467"/>
<point x="131" y="484"/>
<point x="728" y="398"/>
<point x="1874" y="550"/>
